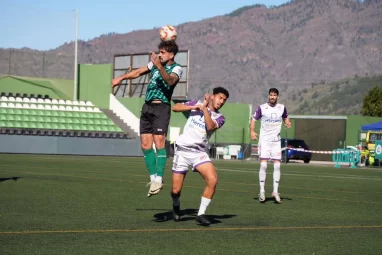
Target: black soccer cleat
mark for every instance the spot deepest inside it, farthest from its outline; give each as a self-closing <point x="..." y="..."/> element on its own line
<point x="176" y="212"/>
<point x="202" y="220"/>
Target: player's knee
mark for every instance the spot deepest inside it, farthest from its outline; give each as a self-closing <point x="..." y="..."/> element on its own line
<point x="146" y="146"/>
<point x="212" y="180"/>
<point x="159" y="141"/>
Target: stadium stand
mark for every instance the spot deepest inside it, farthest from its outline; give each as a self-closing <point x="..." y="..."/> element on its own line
<point x="40" y="115"/>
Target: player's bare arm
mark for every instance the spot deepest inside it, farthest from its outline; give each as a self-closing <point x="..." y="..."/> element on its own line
<point x="252" y="129"/>
<point x="210" y="124"/>
<point x="287" y="123"/>
<point x="179" y="107"/>
<point x="171" y="79"/>
<point x="130" y="75"/>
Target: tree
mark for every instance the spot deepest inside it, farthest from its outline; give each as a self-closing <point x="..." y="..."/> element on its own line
<point x="372" y="103"/>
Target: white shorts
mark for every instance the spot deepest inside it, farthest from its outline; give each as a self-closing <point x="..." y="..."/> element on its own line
<point x="184" y="158"/>
<point x="270" y="150"/>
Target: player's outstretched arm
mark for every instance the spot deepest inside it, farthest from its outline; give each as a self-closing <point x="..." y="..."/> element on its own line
<point x="130" y="75"/>
<point x="179" y="107"/>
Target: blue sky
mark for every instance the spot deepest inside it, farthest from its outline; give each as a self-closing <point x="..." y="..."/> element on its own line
<point x="47" y="24"/>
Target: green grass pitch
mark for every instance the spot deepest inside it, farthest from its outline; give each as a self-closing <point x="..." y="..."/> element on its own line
<point x="98" y="205"/>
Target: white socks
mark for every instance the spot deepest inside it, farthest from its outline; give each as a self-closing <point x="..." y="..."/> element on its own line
<point x="158" y="179"/>
<point x="203" y="205"/>
<point x="276" y="176"/>
<point x="262" y="176"/>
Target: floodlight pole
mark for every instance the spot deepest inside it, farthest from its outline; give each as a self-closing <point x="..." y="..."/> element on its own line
<point x="75" y="58"/>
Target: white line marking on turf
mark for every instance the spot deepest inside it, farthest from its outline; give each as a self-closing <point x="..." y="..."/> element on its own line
<point x="309" y="175"/>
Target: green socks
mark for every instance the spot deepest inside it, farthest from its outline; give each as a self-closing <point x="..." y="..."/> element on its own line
<point x="162" y="158"/>
<point x="155" y="163"/>
<point x="151" y="161"/>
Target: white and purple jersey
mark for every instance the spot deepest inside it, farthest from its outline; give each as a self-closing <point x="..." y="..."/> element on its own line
<point x="271" y="121"/>
<point x="195" y="134"/>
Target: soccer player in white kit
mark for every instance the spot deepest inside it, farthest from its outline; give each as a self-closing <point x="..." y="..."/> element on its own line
<point x="272" y="115"/>
<point x="191" y="145"/>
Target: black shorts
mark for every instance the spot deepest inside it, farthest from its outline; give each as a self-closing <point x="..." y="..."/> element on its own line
<point x="155" y="118"/>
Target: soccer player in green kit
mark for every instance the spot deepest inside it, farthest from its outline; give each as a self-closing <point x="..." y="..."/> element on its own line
<point x="165" y="73"/>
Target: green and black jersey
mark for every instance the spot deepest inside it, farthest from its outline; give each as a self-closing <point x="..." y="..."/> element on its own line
<point x="157" y="88"/>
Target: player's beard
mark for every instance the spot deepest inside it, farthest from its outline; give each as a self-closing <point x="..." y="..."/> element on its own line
<point x="163" y="62"/>
<point x="270" y="102"/>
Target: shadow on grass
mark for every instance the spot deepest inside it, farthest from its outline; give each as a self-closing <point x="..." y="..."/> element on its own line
<point x="272" y="200"/>
<point x="190" y="214"/>
<point x="10" y="178"/>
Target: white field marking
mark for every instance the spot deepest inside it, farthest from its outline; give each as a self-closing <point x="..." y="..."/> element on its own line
<point x="157" y="230"/>
<point x="309" y="175"/>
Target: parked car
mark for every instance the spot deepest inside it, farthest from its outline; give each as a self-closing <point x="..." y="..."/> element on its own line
<point x="298" y="153"/>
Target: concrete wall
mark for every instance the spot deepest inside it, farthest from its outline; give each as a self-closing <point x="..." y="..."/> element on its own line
<point x="95" y="84"/>
<point x="55" y="88"/>
<point x="69" y="145"/>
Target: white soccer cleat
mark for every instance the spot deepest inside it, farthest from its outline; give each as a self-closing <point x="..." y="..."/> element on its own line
<point x="149" y="184"/>
<point x="155" y="187"/>
<point x="276" y="197"/>
<point x="262" y="197"/>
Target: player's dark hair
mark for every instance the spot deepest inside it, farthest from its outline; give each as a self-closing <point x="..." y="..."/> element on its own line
<point x="273" y="90"/>
<point x="169" y="46"/>
<point x="222" y="90"/>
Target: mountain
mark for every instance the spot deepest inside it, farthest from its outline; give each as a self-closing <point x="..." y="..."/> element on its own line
<point x="292" y="47"/>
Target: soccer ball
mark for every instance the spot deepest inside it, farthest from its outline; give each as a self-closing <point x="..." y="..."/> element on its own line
<point x="168" y="33"/>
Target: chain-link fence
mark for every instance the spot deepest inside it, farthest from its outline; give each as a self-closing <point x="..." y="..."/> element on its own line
<point x="36" y="64"/>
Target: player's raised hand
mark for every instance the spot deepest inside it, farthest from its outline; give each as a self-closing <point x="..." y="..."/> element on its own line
<point x="155" y="59"/>
<point x="206" y="100"/>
